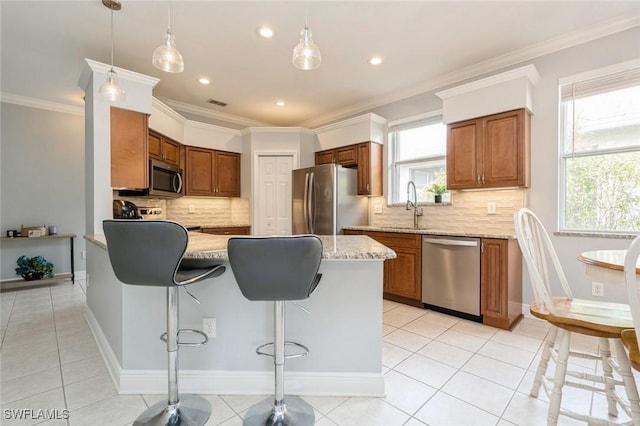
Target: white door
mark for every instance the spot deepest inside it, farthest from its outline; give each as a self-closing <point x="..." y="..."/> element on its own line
<point x="274" y="195"/>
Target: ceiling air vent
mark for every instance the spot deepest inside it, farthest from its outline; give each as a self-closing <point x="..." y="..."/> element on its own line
<point x="219" y="103"/>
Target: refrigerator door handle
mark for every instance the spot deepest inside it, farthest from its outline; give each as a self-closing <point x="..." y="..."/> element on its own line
<point x="305" y="213"/>
<point x="311" y="209"/>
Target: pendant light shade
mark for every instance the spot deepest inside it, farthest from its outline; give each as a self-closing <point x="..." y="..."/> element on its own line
<point x="306" y="55"/>
<point x="166" y="57"/>
<point x="111" y="89"/>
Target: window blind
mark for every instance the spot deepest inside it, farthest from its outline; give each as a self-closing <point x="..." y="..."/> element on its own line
<point x="408" y="124"/>
<point x="606" y="83"/>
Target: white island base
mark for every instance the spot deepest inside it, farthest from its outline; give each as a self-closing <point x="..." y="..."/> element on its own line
<point x="343" y="330"/>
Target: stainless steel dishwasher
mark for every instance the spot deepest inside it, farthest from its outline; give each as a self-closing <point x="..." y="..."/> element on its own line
<point x="451" y="275"/>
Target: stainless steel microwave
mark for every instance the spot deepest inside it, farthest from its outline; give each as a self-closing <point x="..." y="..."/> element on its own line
<point x="164" y="180"/>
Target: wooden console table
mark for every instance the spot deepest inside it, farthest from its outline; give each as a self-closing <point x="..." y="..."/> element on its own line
<point x="56" y="277"/>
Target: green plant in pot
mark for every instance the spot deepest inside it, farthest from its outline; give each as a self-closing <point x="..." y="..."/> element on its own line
<point x="437" y="190"/>
<point x="34" y="268"/>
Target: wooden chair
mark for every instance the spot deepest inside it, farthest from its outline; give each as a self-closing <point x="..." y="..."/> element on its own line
<point x="630" y="337"/>
<point x="568" y="315"/>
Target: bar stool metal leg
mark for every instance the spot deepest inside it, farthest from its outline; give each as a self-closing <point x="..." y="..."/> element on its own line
<point x="277" y="412"/>
<point x="191" y="410"/>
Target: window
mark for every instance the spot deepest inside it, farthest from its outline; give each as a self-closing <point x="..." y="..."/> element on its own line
<point x="417" y="153"/>
<point x="600" y="151"/>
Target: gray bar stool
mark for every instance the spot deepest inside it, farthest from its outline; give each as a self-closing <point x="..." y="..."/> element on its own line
<point x="277" y="269"/>
<point x="149" y="253"/>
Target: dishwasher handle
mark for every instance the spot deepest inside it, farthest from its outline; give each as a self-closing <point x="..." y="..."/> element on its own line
<point x="448" y="242"/>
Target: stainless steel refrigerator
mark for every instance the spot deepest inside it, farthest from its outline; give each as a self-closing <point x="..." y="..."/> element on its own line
<point x="325" y="200"/>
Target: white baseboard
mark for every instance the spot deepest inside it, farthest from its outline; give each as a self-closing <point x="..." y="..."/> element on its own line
<point x="224" y="382"/>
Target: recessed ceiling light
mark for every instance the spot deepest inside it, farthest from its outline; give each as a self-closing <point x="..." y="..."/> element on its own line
<point x="265" y="32"/>
<point x="376" y="60"/>
<point x="204" y="80"/>
<point x="280" y="103"/>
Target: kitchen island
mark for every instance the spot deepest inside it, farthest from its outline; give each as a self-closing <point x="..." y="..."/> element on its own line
<point x="343" y="329"/>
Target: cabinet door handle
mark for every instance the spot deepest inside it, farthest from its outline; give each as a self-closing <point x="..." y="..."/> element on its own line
<point x="483" y="178"/>
<point x="478" y="179"/>
<point x="367" y="187"/>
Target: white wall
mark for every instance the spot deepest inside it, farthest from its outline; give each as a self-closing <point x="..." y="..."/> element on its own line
<point x="42" y="182"/>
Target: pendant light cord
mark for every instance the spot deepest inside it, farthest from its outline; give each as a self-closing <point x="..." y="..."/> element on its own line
<point x="169" y="16"/>
<point x="111" y="39"/>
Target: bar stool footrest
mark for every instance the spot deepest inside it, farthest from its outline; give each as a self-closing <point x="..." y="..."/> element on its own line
<point x="305" y="352"/>
<point x="163" y="337"/>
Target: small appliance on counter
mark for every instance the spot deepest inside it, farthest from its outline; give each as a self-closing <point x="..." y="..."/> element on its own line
<point x="151" y="213"/>
<point x="125" y="210"/>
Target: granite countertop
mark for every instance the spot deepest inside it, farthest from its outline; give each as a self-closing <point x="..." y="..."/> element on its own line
<point x="430" y="232"/>
<point x="235" y="225"/>
<point x="335" y="247"/>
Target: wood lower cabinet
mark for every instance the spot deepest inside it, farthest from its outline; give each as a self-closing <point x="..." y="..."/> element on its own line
<point x="489" y="152"/>
<point x="129" y="155"/>
<point x="228" y="230"/>
<point x="402" y="275"/>
<point x="501" y="282"/>
<point x="164" y="148"/>
<point x="212" y="173"/>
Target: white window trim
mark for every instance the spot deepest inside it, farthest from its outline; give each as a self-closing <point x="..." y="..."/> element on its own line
<point x="562" y="195"/>
<point x="404" y="124"/>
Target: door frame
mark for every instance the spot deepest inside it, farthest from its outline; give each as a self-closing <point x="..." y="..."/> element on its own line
<point x="255" y="172"/>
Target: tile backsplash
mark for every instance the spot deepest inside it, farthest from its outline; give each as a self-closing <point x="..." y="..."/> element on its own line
<point x="467" y="212"/>
<point x="209" y="211"/>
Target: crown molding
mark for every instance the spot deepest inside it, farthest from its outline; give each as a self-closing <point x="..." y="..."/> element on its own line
<point x="40" y="104"/>
<point x="279" y="130"/>
<point x="565" y="41"/>
<point x="158" y="104"/>
<point x="365" y="118"/>
<point x="205" y="112"/>
<point x="207" y="126"/>
<point x="528" y="71"/>
<point x="92" y="66"/>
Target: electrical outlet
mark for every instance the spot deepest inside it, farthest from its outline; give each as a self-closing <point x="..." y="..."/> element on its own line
<point x="209" y="326"/>
<point x="377" y="208"/>
<point x="192" y="208"/>
<point x="597" y="289"/>
<point x="491" y="207"/>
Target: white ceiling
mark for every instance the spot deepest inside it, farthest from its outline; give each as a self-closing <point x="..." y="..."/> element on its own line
<point x="425" y="45"/>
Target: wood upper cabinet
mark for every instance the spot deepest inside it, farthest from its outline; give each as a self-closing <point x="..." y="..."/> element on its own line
<point x="402" y="275"/>
<point x="500" y="282"/>
<point x="369" y="168"/>
<point x="129" y="155"/>
<point x="212" y="173"/>
<point x="164" y="149"/>
<point x="489" y="152"/>
<point x="325" y="157"/>
<point x="226" y="172"/>
<point x="365" y="156"/>
<point x="347" y="156"/>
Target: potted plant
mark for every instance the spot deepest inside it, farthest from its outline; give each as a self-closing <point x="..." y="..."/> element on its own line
<point x="34" y="268"/>
<point x="437" y="189"/>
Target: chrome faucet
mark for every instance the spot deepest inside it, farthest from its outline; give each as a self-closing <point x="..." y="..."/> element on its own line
<point x="417" y="211"/>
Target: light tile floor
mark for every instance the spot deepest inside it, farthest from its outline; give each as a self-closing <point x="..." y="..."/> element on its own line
<point x="439" y="370"/>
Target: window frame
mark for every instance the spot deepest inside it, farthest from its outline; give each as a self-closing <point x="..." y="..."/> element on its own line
<point x="563" y="157"/>
<point x="426" y="119"/>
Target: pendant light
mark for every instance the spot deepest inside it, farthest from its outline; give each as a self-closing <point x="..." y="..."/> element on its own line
<point x="111" y="89"/>
<point x="306" y="55"/>
<point x="166" y="57"/>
